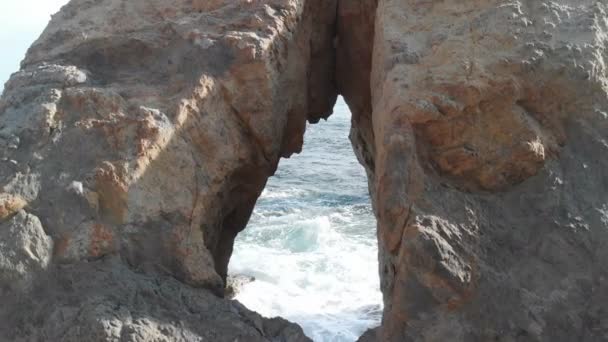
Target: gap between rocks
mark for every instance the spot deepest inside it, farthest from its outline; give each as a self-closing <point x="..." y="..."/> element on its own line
<point x="340" y="64"/>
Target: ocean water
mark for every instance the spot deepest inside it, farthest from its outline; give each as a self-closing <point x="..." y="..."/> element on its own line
<point x="311" y="243"/>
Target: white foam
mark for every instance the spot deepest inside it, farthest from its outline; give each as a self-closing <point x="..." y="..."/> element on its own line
<point x="312" y="244"/>
<point x="324" y="280"/>
<point x="287" y="193"/>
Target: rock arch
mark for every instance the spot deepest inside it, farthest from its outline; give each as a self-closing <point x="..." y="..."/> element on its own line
<point x="137" y="136"/>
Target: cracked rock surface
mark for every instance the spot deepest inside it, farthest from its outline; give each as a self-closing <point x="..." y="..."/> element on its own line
<point x="489" y="179"/>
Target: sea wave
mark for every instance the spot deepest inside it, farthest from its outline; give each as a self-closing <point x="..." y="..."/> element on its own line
<point x="311" y="242"/>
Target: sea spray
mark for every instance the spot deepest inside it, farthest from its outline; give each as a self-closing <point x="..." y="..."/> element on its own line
<point x="311" y="243"/>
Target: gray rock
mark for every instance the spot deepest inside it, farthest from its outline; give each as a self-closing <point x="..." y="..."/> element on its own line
<point x="105" y="300"/>
<point x="25" y="251"/>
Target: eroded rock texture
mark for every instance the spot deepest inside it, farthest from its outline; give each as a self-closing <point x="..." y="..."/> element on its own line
<point x="138" y="135"/>
<point x="490" y="178"/>
<point x="144" y="131"/>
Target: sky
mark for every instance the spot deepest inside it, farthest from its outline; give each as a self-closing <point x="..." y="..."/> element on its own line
<point x="21" y="22"/>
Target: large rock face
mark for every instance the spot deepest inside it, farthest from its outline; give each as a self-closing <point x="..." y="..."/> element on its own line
<point x="145" y="131"/>
<point x="490" y="178"/>
<point x="138" y="135"/>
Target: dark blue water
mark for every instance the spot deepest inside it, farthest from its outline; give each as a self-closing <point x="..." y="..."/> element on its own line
<point x="311" y="243"/>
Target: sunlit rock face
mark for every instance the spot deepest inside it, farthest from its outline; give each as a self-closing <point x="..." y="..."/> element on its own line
<point x="137" y="136"/>
<point x="489" y="181"/>
<point x="144" y="131"/>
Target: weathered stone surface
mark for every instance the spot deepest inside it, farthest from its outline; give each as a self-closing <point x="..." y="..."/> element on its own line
<point x="141" y="133"/>
<point x="107" y="301"/>
<point x="146" y="130"/>
<point x="25" y="251"/>
<point x="355" y="22"/>
<point x="158" y="122"/>
<point x="490" y="181"/>
<point x="9" y="205"/>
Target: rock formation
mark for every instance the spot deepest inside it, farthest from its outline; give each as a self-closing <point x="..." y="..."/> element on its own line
<point x="490" y="187"/>
<point x="144" y="131"/>
<point x="138" y="135"/>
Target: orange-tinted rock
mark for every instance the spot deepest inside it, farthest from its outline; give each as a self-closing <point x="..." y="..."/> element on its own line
<point x="9" y="205"/>
<point x="489" y="181"/>
<point x="146" y="131"/>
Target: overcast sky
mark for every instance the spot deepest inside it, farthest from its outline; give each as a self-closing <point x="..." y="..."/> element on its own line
<point x="21" y="22"/>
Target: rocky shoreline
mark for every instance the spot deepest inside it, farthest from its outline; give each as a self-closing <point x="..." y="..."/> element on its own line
<point x="137" y="136"/>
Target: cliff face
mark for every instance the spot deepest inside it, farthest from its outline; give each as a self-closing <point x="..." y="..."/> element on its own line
<point x="138" y="135"/>
<point x="490" y="187"/>
<point x="144" y="131"/>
